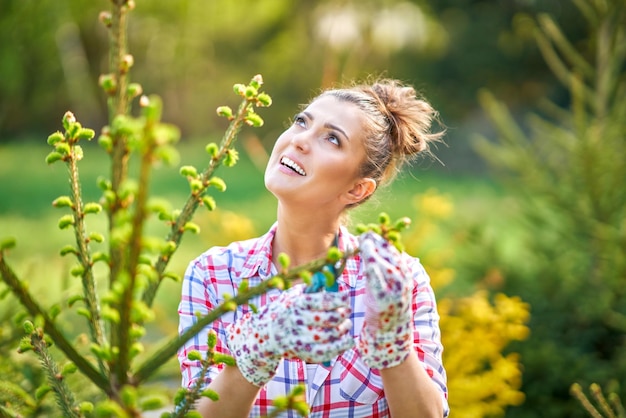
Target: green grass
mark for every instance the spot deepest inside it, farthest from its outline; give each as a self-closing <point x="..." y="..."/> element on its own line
<point x="28" y="186"/>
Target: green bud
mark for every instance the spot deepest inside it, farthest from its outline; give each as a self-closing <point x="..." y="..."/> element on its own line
<point x="196" y="186"/>
<point x="253" y="119"/>
<point x="251" y="92"/>
<point x="218" y="183"/>
<point x="257" y="81"/>
<point x="63" y="148"/>
<point x="73" y="299"/>
<point x="212" y="149"/>
<point x="85" y="407"/>
<point x="211" y="338"/>
<point x="393" y="236"/>
<point x="281" y="402"/>
<point x="263" y="100"/>
<point x="108" y="83"/>
<point x="231" y="157"/>
<point x="253" y="308"/>
<point x="333" y="255"/>
<point x="42" y="391"/>
<point x="225" y="359"/>
<point x="171" y="275"/>
<point x="179" y="396"/>
<point x="239" y="89"/>
<point x="55" y="137"/>
<point x="66" y="221"/>
<point x="63" y="201"/>
<point x="85" y="133"/>
<point x="152" y="402"/>
<point x="82" y="311"/>
<point x="136" y="331"/>
<point x="68" y="120"/>
<point x="100" y="256"/>
<point x="192" y="227"/>
<point x="54" y="311"/>
<point x="29" y="327"/>
<point x="276" y="282"/>
<point x="135" y="349"/>
<point x="225" y="111"/>
<point x="283" y="260"/>
<point x="106" y="142"/>
<point x="53" y="157"/>
<point x="403" y="223"/>
<point x="383" y="218"/>
<point x="134" y="90"/>
<point x="69" y="368"/>
<point x="194" y="355"/>
<point x="306" y="277"/>
<point x="77" y="270"/>
<point x="129" y="396"/>
<point x="152" y="107"/>
<point x="169" y="247"/>
<point x="104" y="183"/>
<point x="96" y="236"/>
<point x="106" y="18"/>
<point x="330" y="277"/>
<point x="92" y="208"/>
<point x="25" y="345"/>
<point x="230" y="306"/>
<point x="243" y="286"/>
<point x="188" y="171"/>
<point x="126" y="63"/>
<point x="7" y="243"/>
<point x="209" y="202"/>
<point x="110" y="314"/>
<point x="211" y="394"/>
<point x="68" y="249"/>
<point x="301" y="408"/>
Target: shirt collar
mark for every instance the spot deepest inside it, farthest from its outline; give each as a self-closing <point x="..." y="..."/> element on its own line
<point x="259" y="260"/>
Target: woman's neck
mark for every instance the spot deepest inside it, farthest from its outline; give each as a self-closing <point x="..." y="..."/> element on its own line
<point x="303" y="238"/>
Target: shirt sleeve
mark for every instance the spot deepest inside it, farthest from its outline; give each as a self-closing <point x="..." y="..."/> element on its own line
<point x="197" y="299"/>
<point x="427" y="335"/>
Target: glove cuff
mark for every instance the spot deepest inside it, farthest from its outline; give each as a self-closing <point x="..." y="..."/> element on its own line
<point x="246" y="345"/>
<point x="382" y="350"/>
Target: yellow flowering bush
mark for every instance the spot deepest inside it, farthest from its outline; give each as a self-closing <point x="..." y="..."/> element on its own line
<point x="476" y="329"/>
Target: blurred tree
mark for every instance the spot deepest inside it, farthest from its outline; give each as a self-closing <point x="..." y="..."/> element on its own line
<point x="50" y="50"/>
<point x="569" y="169"/>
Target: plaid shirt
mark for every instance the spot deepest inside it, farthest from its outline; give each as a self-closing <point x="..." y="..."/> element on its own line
<point x="345" y="387"/>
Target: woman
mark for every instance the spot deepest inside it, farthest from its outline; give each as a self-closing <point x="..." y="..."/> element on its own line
<point x="373" y="348"/>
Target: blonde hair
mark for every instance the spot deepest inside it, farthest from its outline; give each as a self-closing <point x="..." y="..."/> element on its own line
<point x="398" y="125"/>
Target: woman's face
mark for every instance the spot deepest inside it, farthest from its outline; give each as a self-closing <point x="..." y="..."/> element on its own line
<point x="316" y="160"/>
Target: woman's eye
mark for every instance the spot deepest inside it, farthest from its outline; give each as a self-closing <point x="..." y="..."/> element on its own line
<point x="299" y="120"/>
<point x="333" y="140"/>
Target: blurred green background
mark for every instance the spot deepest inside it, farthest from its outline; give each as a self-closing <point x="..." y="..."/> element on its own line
<point x="549" y="232"/>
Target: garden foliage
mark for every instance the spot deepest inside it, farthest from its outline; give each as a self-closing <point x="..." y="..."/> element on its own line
<point x="568" y="164"/>
<point x="103" y="372"/>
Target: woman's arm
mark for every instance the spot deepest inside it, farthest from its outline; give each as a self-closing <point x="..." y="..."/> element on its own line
<point x="236" y="396"/>
<point x="410" y="392"/>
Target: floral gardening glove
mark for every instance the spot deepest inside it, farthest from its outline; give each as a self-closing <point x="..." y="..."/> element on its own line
<point x="312" y="327"/>
<point x="387" y="335"/>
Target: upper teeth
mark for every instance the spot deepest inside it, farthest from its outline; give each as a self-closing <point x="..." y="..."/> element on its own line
<point x="291" y="164"/>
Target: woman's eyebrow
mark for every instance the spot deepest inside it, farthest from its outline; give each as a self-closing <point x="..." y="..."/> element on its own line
<point x="328" y="125"/>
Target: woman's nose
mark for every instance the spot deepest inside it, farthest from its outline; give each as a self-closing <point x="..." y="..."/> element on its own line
<point x="301" y="141"/>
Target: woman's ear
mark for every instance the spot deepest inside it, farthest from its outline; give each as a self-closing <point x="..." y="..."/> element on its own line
<point x="361" y="190"/>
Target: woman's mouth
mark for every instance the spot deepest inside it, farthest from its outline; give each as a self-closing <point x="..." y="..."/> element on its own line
<point x="288" y="162"/>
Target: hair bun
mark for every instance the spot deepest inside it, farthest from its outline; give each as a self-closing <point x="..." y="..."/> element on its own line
<point x="410" y="117"/>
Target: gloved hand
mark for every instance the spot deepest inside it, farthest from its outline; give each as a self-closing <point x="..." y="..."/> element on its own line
<point x="313" y="327"/>
<point x="387" y="335"/>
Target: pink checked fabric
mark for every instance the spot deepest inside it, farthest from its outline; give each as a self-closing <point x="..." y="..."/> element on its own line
<point x="311" y="327"/>
<point x="347" y="387"/>
<point x="386" y="337"/>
